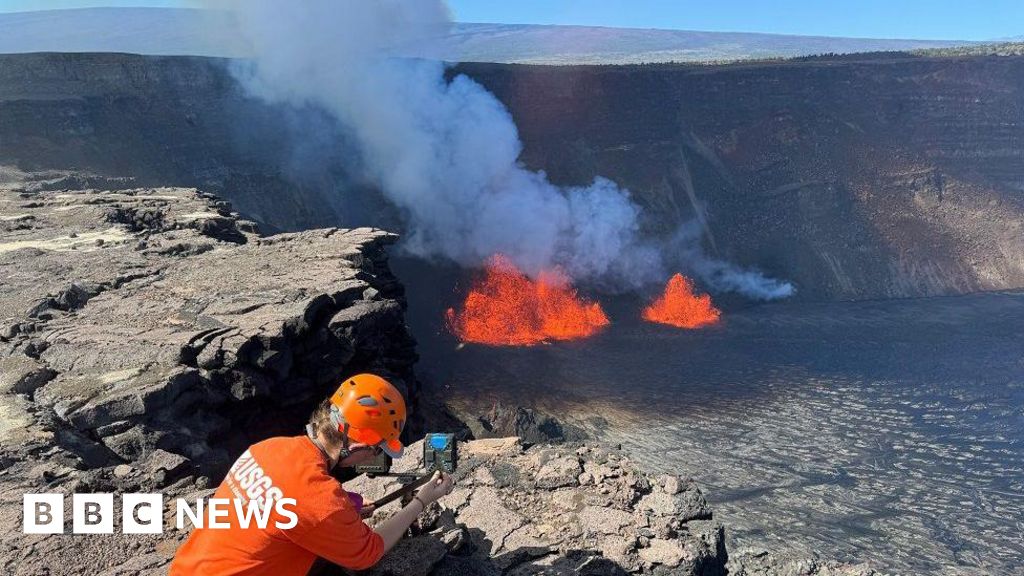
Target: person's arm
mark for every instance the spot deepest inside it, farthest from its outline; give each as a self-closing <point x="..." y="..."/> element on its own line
<point x="339" y="536"/>
<point x="392" y="529"/>
<point x="344" y="539"/>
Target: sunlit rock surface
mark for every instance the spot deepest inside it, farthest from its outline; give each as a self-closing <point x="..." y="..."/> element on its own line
<point x="147" y="335"/>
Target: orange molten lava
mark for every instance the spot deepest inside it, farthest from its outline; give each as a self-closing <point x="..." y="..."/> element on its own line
<point x="680" y="307"/>
<point x="506" y="308"/>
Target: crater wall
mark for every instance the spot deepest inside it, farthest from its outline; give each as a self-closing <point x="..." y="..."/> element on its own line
<point x="865" y="176"/>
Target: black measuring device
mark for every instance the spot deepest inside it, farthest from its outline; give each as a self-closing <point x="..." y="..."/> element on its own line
<point x="440" y="454"/>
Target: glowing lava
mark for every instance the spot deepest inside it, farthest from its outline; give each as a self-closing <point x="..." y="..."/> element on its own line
<point x="507" y="308"/>
<point x="680" y="307"/>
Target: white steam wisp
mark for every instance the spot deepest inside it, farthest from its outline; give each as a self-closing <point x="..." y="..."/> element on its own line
<point x="445" y="152"/>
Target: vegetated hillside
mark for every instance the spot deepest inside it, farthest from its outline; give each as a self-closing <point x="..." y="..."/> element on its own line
<point x="183" y="31"/>
<point x="1007" y="48"/>
<point x="853" y="177"/>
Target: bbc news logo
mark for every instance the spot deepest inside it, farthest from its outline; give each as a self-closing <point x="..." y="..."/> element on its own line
<point x="144" y="513"/>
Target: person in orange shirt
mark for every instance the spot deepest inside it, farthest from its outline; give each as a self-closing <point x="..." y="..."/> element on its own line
<point x="363" y="417"/>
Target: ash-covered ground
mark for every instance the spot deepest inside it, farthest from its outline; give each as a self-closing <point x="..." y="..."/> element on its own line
<point x="886" y="431"/>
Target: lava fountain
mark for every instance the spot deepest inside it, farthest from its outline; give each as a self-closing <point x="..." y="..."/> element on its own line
<point x="507" y="308"/>
<point x="680" y="307"/>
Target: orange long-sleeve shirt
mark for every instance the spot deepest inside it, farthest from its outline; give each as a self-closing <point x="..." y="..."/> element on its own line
<point x="328" y="524"/>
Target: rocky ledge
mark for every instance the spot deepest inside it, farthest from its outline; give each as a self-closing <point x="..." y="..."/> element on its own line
<point x="554" y="509"/>
<point x="148" y="334"/>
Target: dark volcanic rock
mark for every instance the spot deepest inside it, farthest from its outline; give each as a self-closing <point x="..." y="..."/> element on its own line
<point x="532" y="426"/>
<point x="128" y="364"/>
<point x="593" y="526"/>
<point x="763" y="563"/>
<point x="140" y="339"/>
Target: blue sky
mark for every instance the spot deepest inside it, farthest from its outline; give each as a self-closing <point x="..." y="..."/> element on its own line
<point x="932" y="19"/>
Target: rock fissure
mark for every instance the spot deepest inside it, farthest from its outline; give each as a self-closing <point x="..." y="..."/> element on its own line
<point x="145" y="353"/>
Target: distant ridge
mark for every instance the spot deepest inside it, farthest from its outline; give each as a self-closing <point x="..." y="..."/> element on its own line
<point x="183" y="31"/>
<point x="162" y="31"/>
<point x="536" y="44"/>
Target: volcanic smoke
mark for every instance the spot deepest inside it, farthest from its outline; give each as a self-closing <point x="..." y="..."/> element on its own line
<point x="445" y="151"/>
<point x="507" y="308"/>
<point x="679" y="306"/>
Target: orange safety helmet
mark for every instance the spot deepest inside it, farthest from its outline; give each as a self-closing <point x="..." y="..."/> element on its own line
<point x="370" y="410"/>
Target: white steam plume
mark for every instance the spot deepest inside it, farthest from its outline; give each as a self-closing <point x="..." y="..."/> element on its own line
<point x="444" y="152"/>
<point x="720" y="275"/>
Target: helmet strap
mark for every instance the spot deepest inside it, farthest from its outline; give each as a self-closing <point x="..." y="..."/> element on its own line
<point x="345" y="452"/>
<point x="339" y="423"/>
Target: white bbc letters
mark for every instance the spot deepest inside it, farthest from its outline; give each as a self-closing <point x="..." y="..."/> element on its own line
<point x="218" y="508"/>
<point x="142" y="513"/>
<point x="92" y="513"/>
<point x="43" y="514"/>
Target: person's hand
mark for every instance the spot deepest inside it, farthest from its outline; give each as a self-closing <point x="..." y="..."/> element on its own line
<point x="366" y="511"/>
<point x="435" y="488"/>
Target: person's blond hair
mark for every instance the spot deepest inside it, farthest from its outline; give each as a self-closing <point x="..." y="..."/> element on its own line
<point x="323" y="424"/>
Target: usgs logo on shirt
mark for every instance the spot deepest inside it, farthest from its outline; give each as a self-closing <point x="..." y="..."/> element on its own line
<point x="255" y="499"/>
